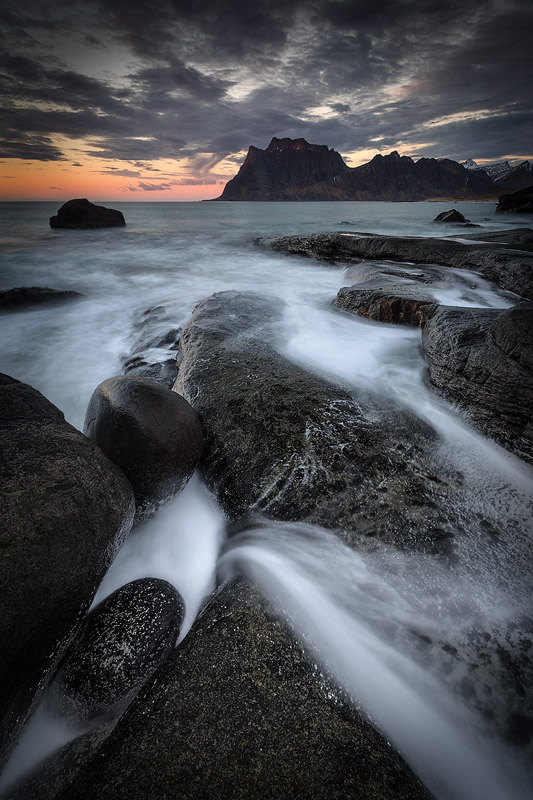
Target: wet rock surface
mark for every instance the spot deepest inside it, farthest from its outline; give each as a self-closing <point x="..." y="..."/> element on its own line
<point x="80" y="213"/>
<point x="385" y="301"/>
<point x="65" y="510"/>
<point x="510" y="268"/>
<point x="281" y="441"/>
<point x="482" y="360"/>
<point x="239" y="710"/>
<point x="150" y="432"/>
<point x="119" y="645"/>
<point x="155" y="339"/>
<point x="27" y="296"/>
<point x="520" y="202"/>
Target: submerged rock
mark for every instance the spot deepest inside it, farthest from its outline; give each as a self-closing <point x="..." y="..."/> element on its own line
<point x="23" y="296"/>
<point x="520" y="202"/>
<point x="282" y="441"/>
<point x="450" y="216"/>
<point x="120" y="644"/>
<point x="65" y="510"/>
<point x="156" y="337"/>
<point x="151" y="433"/>
<point x="239" y="710"/>
<point x="83" y="214"/>
<point x="482" y="359"/>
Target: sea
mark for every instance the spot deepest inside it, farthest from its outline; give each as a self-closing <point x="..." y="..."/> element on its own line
<point x="342" y="604"/>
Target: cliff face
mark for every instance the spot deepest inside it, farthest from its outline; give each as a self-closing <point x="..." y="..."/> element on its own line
<point x="293" y="169"/>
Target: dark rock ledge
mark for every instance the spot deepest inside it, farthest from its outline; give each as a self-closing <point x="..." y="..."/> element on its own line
<point x="507" y="263"/>
<point x="26" y="296"/>
<point x="240" y="711"/>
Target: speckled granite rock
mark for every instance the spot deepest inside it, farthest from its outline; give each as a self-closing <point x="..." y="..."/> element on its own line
<point x="120" y="643"/>
<point x="65" y="509"/>
<point x="240" y="711"/>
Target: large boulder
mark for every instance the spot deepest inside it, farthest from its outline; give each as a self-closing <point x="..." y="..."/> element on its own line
<point x="120" y="644"/>
<point x="23" y="296"/>
<point x="282" y="441"/>
<point x="239" y="710"/>
<point x="83" y="214"/>
<point x="65" y="510"/>
<point x="450" y="216"/>
<point x="150" y="432"/>
<point x="520" y="202"/>
<point x="482" y="359"/>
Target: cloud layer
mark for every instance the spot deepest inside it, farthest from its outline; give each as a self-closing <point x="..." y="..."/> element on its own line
<point x="197" y="82"/>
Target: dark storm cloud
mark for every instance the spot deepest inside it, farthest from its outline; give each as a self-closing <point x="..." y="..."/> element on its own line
<point x="215" y="76"/>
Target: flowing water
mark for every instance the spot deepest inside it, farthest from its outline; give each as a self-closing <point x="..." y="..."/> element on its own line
<point x="397" y="631"/>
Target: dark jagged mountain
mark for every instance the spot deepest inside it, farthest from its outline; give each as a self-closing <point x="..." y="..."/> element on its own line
<point x="293" y="169"/>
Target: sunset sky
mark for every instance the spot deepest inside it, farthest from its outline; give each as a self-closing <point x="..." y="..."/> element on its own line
<point x="148" y="100"/>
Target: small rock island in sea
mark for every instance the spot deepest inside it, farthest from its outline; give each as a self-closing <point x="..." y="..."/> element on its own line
<point x="83" y="214"/>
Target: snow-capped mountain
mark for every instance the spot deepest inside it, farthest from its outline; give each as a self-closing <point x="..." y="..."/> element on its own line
<point x="497" y="171"/>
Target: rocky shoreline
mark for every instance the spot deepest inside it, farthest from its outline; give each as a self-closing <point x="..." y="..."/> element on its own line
<point x="239" y="703"/>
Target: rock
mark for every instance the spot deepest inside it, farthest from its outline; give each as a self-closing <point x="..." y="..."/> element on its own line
<point x="155" y="340"/>
<point x="151" y="433"/>
<point x="120" y="644"/>
<point x="510" y="268"/>
<point x="281" y="441"/>
<point x="23" y="296"/>
<point x="520" y="202"/>
<point x="49" y="777"/>
<point x="403" y="303"/>
<point x="450" y="216"/>
<point x="482" y="360"/>
<point x="240" y="711"/>
<point x="83" y="214"/>
<point x="64" y="512"/>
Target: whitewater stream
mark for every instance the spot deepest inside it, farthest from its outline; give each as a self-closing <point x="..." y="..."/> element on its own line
<point x="421" y="644"/>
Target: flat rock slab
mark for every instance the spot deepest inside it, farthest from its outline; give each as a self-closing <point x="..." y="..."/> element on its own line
<point x="281" y="441"/>
<point x="512" y="269"/>
<point x="64" y="512"/>
<point x="28" y="296"/>
<point x="386" y="301"/>
<point x="482" y="360"/>
<point x="240" y="711"/>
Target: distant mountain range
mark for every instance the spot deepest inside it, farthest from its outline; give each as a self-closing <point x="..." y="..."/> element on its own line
<point x="505" y="175"/>
<point x="293" y="169"/>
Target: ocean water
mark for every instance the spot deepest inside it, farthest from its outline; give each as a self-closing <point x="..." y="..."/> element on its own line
<point x="171" y="256"/>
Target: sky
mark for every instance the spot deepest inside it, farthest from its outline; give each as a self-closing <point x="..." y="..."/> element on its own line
<point x="160" y="99"/>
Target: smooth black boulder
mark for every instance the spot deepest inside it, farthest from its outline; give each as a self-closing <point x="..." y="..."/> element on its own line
<point x="150" y="432"/>
<point x="23" y="296"/>
<point x="450" y="216"/>
<point x="80" y="213"/>
<point x="64" y="511"/>
<point x="239" y="710"/>
<point x="482" y="359"/>
<point x="520" y="202"/>
<point x="119" y="645"/>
